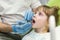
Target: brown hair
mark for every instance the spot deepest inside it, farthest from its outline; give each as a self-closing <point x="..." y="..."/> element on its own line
<point x="50" y="11"/>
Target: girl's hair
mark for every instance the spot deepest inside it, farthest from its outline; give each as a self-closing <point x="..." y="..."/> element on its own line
<point x="50" y="11"/>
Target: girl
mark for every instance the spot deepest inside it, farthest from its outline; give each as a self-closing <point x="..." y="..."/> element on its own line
<point x="40" y="23"/>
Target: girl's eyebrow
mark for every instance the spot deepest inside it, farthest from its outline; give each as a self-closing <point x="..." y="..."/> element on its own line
<point x="43" y="13"/>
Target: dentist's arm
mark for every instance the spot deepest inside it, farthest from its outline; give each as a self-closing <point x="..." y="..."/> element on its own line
<point x="20" y="29"/>
<point x="5" y="27"/>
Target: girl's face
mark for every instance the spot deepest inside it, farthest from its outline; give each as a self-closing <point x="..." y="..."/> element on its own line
<point x="39" y="19"/>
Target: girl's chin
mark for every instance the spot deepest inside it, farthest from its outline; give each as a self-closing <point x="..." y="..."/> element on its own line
<point x="33" y="26"/>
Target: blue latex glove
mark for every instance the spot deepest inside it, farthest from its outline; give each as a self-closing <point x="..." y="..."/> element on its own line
<point x="24" y="26"/>
<point x="21" y="22"/>
<point x="22" y="29"/>
<point x="28" y="15"/>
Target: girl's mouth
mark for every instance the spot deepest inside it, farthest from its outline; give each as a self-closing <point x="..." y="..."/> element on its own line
<point x="33" y="21"/>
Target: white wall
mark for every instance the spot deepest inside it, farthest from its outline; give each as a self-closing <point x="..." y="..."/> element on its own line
<point x="44" y="1"/>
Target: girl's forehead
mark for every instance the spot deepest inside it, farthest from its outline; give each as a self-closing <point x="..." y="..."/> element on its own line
<point x="42" y="9"/>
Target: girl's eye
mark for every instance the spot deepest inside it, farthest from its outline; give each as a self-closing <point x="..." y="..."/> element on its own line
<point x="39" y="13"/>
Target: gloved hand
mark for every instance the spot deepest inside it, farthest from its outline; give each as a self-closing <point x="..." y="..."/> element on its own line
<point x="22" y="29"/>
<point x="24" y="26"/>
<point x="21" y="22"/>
<point x="28" y="15"/>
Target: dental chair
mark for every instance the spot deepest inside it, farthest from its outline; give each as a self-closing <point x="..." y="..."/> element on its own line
<point x="54" y="31"/>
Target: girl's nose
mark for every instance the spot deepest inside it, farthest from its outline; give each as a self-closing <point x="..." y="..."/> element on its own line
<point x="34" y="16"/>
